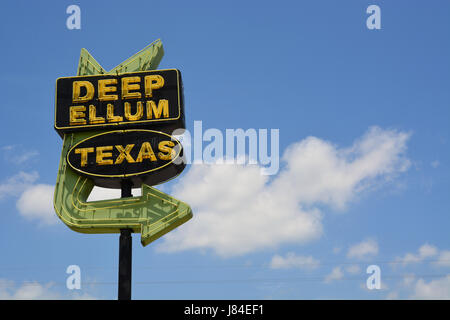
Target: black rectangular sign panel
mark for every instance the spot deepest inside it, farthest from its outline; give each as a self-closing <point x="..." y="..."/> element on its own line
<point x="146" y="100"/>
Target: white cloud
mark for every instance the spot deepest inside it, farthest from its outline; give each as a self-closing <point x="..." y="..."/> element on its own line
<point x="237" y="210"/>
<point x="82" y="296"/>
<point x="393" y="295"/>
<point x="339" y="272"/>
<point x="435" y="163"/>
<point x="18" y="154"/>
<point x="408" y="279"/>
<point x="427" y="251"/>
<point x="291" y="260"/>
<point x="414" y="287"/>
<point x="363" y="249"/>
<point x="420" y="288"/>
<point x="435" y="289"/>
<point x="99" y="193"/>
<point x="27" y="291"/>
<point x="20" y="159"/>
<point x="36" y="203"/>
<point x="424" y="252"/>
<point x="353" y="269"/>
<point x="336" y="274"/>
<point x="16" y="184"/>
<point x="34" y="290"/>
<point x="334" y="176"/>
<point x="443" y="259"/>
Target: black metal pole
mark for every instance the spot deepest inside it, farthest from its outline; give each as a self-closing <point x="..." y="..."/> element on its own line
<point x="125" y="253"/>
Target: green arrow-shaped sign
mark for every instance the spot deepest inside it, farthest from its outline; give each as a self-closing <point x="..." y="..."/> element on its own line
<point x="146" y="59"/>
<point x="152" y="214"/>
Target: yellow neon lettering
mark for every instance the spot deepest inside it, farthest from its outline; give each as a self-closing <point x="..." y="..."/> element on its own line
<point x="84" y="154"/>
<point x="76" y="113"/>
<point x="93" y="115"/>
<point x="101" y="155"/>
<point x="104" y="86"/>
<point x="146" y="152"/>
<point x="124" y="154"/>
<point x="152" y="82"/>
<point x="139" y="111"/>
<point x="110" y="114"/>
<point x="163" y="108"/>
<point x="167" y="153"/>
<point x="77" y="85"/>
<point x="126" y="87"/>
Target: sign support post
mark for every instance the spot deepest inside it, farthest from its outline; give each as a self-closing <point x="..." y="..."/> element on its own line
<point x="125" y="253"/>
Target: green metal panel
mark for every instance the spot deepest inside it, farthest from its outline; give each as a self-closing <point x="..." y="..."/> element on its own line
<point x="146" y="59"/>
<point x="153" y="214"/>
<point x="87" y="65"/>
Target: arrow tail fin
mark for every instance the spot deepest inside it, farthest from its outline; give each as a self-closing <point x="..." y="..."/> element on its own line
<point x="87" y="65"/>
<point x="146" y="59"/>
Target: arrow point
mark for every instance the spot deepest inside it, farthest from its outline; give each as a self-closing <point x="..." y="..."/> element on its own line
<point x="183" y="215"/>
<point x="171" y="214"/>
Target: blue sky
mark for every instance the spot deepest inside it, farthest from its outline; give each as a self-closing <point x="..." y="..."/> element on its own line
<point x="371" y="107"/>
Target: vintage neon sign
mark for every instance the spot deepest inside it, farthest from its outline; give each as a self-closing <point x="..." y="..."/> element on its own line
<point x="116" y="129"/>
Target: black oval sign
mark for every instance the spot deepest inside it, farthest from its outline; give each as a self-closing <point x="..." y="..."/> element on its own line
<point x="140" y="156"/>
